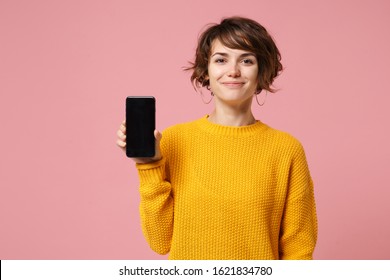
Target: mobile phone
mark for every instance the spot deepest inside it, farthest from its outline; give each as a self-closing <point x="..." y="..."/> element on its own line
<point x="140" y="126"/>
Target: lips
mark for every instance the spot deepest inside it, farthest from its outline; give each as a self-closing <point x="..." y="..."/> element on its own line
<point x="233" y="84"/>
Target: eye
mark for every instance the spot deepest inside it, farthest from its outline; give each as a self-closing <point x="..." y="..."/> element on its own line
<point x="248" y="61"/>
<point x="220" y="60"/>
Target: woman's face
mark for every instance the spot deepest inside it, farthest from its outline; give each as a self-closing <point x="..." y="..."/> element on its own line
<point x="232" y="74"/>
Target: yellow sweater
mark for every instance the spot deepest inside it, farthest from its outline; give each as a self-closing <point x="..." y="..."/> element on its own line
<point x="224" y="192"/>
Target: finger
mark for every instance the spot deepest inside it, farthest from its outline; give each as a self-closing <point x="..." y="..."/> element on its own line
<point x="123" y="127"/>
<point x="157" y="135"/>
<point x="121" y="143"/>
<point x="121" y="135"/>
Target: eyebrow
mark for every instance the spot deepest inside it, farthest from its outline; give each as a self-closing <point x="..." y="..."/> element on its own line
<point x="225" y="54"/>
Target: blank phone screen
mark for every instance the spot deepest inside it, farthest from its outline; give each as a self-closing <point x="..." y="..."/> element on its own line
<point x="140" y="125"/>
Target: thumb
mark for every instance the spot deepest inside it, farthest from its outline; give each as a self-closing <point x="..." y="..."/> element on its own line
<point x="157" y="135"/>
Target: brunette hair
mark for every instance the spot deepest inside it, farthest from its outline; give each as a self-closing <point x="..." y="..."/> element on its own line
<point x="238" y="33"/>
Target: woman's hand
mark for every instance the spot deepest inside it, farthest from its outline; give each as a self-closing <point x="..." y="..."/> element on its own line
<point x="121" y="142"/>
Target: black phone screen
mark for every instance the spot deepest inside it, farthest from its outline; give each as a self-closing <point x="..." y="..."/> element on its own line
<point x="140" y="125"/>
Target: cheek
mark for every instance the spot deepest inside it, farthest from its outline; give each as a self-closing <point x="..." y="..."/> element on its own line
<point x="252" y="75"/>
<point x="215" y="72"/>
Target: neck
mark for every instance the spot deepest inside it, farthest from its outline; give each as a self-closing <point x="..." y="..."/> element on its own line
<point x="232" y="116"/>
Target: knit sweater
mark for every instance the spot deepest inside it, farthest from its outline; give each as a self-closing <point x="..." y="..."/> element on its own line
<point x="223" y="192"/>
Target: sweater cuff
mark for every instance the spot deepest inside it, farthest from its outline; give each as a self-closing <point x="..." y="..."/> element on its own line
<point x="152" y="172"/>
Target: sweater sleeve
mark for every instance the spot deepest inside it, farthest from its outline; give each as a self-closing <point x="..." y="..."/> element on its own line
<point x="298" y="235"/>
<point x="156" y="206"/>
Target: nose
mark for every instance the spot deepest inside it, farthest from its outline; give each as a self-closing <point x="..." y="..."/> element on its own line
<point x="234" y="71"/>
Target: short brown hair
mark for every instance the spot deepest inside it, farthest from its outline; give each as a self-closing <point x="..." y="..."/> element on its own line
<point x="238" y="33"/>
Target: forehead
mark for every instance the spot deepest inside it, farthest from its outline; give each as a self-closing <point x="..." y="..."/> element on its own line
<point x="218" y="47"/>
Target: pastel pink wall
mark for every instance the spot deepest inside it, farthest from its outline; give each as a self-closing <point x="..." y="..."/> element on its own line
<point x="67" y="191"/>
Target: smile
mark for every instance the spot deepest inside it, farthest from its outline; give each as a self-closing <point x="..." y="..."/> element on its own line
<point x="233" y="84"/>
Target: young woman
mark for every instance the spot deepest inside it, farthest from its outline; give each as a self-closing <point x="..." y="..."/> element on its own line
<point x="228" y="186"/>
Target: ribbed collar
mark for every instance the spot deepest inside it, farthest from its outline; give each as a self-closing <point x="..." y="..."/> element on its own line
<point x="232" y="131"/>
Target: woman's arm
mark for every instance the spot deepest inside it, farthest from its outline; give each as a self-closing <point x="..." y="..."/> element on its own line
<point x="156" y="207"/>
<point x="298" y="234"/>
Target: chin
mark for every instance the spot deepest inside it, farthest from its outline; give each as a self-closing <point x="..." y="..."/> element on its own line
<point x="235" y="96"/>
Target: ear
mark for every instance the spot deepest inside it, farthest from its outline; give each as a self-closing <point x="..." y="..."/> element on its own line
<point x="205" y="81"/>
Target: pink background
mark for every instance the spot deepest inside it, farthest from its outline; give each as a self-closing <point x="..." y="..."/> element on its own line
<point x="66" y="67"/>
